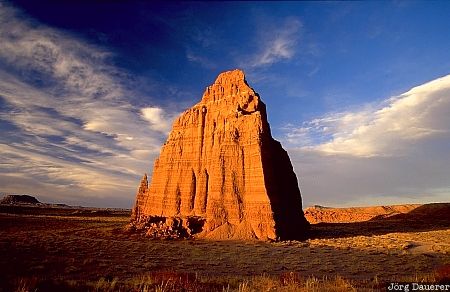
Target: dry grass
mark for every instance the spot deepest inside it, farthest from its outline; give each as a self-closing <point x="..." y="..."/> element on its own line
<point x="396" y="242"/>
<point x="70" y="252"/>
<point x="174" y="281"/>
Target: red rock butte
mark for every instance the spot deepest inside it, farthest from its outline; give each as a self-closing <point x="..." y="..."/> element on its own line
<point x="220" y="174"/>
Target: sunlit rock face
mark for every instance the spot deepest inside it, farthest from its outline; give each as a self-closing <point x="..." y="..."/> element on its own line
<point x="220" y="173"/>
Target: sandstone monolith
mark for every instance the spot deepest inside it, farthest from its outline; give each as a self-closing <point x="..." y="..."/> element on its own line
<point x="220" y="174"/>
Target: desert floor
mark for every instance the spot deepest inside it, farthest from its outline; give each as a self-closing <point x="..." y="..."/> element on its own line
<point x="68" y="247"/>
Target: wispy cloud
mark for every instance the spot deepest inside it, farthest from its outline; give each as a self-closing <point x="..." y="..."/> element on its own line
<point x="200" y="59"/>
<point x="69" y="127"/>
<point x="159" y="120"/>
<point x="202" y="40"/>
<point x="278" y="43"/>
<point x="392" y="150"/>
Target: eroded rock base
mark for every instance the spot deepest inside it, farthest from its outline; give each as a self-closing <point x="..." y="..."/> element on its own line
<point x="157" y="227"/>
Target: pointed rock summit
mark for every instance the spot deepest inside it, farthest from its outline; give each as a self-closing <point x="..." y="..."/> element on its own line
<point x="220" y="173"/>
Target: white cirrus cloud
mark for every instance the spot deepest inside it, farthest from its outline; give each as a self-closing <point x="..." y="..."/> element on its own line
<point x="200" y="59"/>
<point x="69" y="129"/>
<point x="278" y="43"/>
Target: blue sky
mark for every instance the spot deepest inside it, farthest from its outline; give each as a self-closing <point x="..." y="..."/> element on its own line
<point x="357" y="92"/>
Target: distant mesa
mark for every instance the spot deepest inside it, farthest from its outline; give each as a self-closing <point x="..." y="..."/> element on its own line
<point x="19" y="200"/>
<point x="220" y="174"/>
<point x="432" y="212"/>
<point x="320" y="214"/>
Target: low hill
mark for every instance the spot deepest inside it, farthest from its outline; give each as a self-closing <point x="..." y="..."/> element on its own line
<point x="19" y="200"/>
<point x="320" y="214"/>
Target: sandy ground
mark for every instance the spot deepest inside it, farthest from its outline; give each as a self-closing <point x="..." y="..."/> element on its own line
<point x="80" y="246"/>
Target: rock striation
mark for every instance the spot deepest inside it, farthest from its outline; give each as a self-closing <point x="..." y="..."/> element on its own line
<point x="220" y="174"/>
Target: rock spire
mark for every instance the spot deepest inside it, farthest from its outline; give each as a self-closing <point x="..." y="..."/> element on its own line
<point x="220" y="174"/>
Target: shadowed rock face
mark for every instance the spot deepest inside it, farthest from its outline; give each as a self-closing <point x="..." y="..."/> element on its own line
<point x="221" y="171"/>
